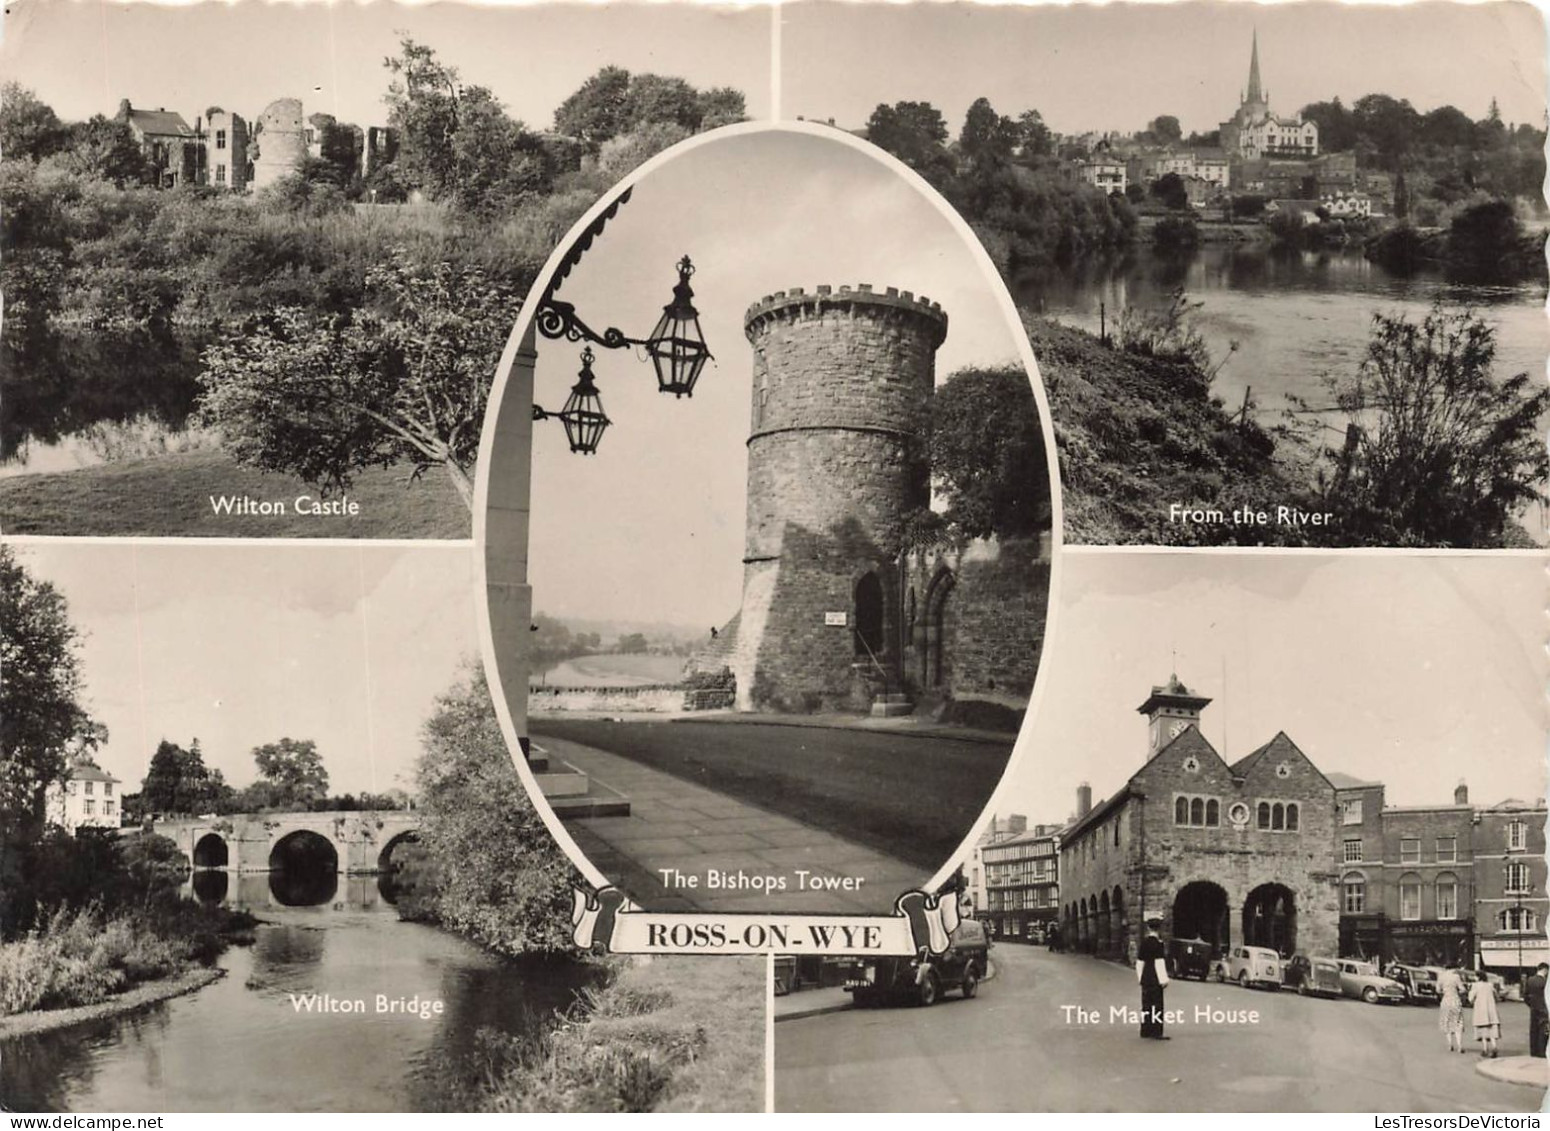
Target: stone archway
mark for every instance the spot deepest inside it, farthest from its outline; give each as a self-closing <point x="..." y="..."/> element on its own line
<point x="303" y="869"/>
<point x="869" y="642"/>
<point x="385" y="861"/>
<point x="210" y="851"/>
<point x="1200" y="912"/>
<point x="935" y="663"/>
<point x="1270" y="918"/>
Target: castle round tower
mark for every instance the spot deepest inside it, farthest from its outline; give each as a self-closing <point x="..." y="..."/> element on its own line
<point x="282" y="142"/>
<point x="837" y="462"/>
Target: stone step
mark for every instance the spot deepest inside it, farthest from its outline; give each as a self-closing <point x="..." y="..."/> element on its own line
<point x="891" y="705"/>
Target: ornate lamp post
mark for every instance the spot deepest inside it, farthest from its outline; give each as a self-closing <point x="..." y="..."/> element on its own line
<point x="676" y="345"/>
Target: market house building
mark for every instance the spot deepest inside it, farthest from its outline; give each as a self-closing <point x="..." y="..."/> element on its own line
<point x="1232" y="853"/>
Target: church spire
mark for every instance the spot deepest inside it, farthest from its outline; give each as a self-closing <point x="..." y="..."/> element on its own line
<point x="1254" y="94"/>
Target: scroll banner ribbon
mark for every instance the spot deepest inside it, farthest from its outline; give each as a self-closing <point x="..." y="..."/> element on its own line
<point x="606" y="921"/>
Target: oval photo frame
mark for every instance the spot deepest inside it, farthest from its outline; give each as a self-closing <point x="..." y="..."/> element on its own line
<point x="866" y="688"/>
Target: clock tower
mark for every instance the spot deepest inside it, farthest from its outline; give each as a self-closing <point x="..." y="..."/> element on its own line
<point x="1170" y="710"/>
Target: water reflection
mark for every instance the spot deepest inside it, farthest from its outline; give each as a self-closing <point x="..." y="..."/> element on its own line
<point x="282" y="1031"/>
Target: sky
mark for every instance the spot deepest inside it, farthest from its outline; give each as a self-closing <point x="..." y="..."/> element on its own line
<point x="241" y="645"/>
<point x="81" y="58"/>
<point x="1118" y="66"/>
<point x="662" y="503"/>
<point x="1411" y="670"/>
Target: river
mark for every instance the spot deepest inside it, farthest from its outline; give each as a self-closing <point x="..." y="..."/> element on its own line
<point x="242" y="1043"/>
<point x="1295" y="315"/>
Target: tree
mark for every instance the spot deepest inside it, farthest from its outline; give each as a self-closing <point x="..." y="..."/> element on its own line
<point x="599" y="108"/>
<point x="1170" y="189"/>
<point x="403" y="381"/>
<point x="721" y="106"/>
<point x="1401" y="197"/>
<point x="915" y="133"/>
<point x="178" y="781"/>
<point x="29" y="128"/>
<point x="106" y="150"/>
<point x="1036" y="140"/>
<point x="632" y="644"/>
<point x="499" y="163"/>
<point x="422" y="100"/>
<point x="499" y="877"/>
<point x="988" y="455"/>
<point x="294" y="769"/>
<point x="1388" y="126"/>
<point x="1337" y="132"/>
<point x="42" y="719"/>
<point x="1439" y="453"/>
<point x="662" y="100"/>
<point x="1483" y="238"/>
<point x="987" y="138"/>
<point x="1165" y="129"/>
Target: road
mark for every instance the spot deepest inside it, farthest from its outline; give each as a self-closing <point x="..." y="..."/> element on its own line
<point x="1012" y="1049"/>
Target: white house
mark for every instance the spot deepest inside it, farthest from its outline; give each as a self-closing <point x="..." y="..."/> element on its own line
<point x="88" y="797"/>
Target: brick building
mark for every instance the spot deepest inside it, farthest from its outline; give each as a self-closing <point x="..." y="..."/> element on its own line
<point x="839" y="611"/>
<point x="1236" y="854"/>
<point x="1022" y="883"/>
<point x="1406" y="876"/>
<point x="1510" y="902"/>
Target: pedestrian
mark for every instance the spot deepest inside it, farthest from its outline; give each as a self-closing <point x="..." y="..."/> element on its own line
<point x="1152" y="973"/>
<point x="1450" y="1017"/>
<point x="1488" y="1022"/>
<point x="1538" y="1012"/>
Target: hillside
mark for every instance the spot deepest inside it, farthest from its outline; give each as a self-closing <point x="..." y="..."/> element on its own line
<point x="1137" y="434"/>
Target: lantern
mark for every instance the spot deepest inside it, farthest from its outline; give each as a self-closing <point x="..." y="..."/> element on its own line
<point x="583" y="414"/>
<point x="676" y="345"/>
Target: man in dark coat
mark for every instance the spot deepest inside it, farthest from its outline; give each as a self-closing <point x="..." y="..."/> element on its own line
<point x="1538" y="1013"/>
<point x="1152" y="973"/>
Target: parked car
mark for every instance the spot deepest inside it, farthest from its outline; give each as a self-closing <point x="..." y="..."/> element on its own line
<point x="924" y="977"/>
<point x="1189" y="958"/>
<point x="1420" y="982"/>
<point x="1362" y="980"/>
<point x="1312" y="975"/>
<point x="1251" y="966"/>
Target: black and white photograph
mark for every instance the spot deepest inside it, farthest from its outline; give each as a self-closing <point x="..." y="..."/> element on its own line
<point x="1285" y="287"/>
<point x="265" y="850"/>
<point x="1294" y="804"/>
<point x="786" y="619"/>
<point x="260" y="260"/>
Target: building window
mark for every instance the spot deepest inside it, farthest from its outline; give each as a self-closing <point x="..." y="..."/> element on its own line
<point x="107" y="789"/>
<point x="1353" y="852"/>
<point x="1517" y="878"/>
<point x="1292" y="816"/>
<point x="1517" y="836"/>
<point x="1447" y="896"/>
<point x="1116" y="832"/>
<point x="1447" y="849"/>
<point x="220" y="139"/>
<point x="1264" y="814"/>
<point x="1196" y="812"/>
<point x="91" y="808"/>
<point x="1410" y="896"/>
<point x="73" y="789"/>
<point x="89" y="788"/>
<point x="1409" y="850"/>
<point x="220" y="174"/>
<point x="1351" y="812"/>
<point x="1355" y="886"/>
<point x="1517" y="919"/>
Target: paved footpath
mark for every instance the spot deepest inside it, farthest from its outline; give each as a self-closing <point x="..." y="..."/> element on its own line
<point x="674" y="824"/>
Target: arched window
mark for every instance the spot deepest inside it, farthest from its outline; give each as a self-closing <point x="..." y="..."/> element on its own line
<point x="1291" y="817"/>
<point x="1410" y="896"/>
<point x="1354" y="887"/>
<point x="1213" y="813"/>
<point x="1181" y="811"/>
<point x="1264" y="814"/>
<point x="1278" y="816"/>
<point x="1197" y="812"/>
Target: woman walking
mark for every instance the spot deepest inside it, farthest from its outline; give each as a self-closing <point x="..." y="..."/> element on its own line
<point x="1488" y="1022"/>
<point x="1450" y="1016"/>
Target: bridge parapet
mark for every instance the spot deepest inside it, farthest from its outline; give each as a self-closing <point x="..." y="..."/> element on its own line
<point x="243" y="842"/>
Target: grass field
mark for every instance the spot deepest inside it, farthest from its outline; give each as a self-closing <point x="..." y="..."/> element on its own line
<point x="170" y="495"/>
<point x="913" y="798"/>
<point x="615" y="670"/>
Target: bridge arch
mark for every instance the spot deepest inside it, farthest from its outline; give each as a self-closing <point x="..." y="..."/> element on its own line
<point x="303" y="868"/>
<point x="211" y="851"/>
<point x="385" y="857"/>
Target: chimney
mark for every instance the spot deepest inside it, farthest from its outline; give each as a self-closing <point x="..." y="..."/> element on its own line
<point x="1017" y="824"/>
<point x="1461" y="793"/>
<point x="1084" y="800"/>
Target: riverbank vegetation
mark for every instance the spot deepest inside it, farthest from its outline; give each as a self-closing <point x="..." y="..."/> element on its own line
<point x="1436" y="450"/>
<point x="669" y="1033"/>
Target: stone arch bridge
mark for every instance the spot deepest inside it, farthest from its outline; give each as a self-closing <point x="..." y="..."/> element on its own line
<point x="361" y="841"/>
